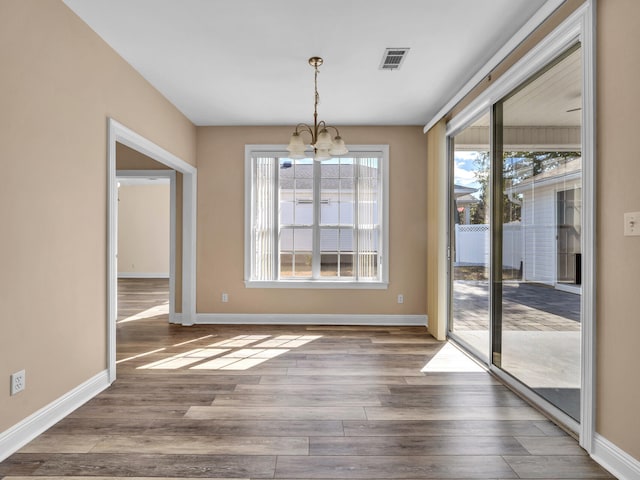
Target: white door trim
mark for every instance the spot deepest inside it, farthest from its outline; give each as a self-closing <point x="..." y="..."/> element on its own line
<point x="119" y="133"/>
<point x="171" y="176"/>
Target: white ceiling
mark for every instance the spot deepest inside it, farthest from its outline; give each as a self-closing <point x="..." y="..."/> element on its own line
<point x="244" y="62"/>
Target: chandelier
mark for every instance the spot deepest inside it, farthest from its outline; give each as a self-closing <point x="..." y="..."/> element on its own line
<point x="324" y="147"/>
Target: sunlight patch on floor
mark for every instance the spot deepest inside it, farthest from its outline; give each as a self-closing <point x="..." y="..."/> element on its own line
<point x="239" y="359"/>
<point x="184" y="359"/>
<point x="240" y="341"/>
<point x="152" y="312"/>
<point x="194" y="340"/>
<point x="140" y="355"/>
<point x="451" y="359"/>
<point x="289" y="341"/>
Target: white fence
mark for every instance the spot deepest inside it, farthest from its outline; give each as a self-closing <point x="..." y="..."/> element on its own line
<point x="472" y="245"/>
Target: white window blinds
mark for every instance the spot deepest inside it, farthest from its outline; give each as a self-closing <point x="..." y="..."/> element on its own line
<point x="264" y="218"/>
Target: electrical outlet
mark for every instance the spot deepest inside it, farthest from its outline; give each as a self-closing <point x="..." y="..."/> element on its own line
<point x="400" y="298"/>
<point x="18" y="380"/>
<point x="225" y="297"/>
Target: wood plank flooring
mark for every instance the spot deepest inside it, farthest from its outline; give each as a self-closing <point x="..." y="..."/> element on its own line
<point x="287" y="402"/>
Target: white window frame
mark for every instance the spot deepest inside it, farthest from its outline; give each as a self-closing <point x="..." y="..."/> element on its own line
<point x="327" y="283"/>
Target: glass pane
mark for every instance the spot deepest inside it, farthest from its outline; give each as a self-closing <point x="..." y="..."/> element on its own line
<point x="329" y="212"/>
<point x="336" y="197"/>
<point x="286" y="174"/>
<point x="336" y="249"/>
<point x="470" y="230"/>
<point x="329" y="201"/>
<point x="329" y="169"/>
<point x="286" y="265"/>
<point x="286" y="207"/>
<point x="346" y="265"/>
<point x="329" y="264"/>
<point x="286" y="240"/>
<point x="302" y="265"/>
<point x="329" y="240"/>
<point x="540" y="213"/>
<point x="346" y="167"/>
<point x="304" y="187"/>
<point x="303" y="212"/>
<point x="302" y="239"/>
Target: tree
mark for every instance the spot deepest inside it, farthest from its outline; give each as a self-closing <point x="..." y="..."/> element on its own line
<point x="517" y="166"/>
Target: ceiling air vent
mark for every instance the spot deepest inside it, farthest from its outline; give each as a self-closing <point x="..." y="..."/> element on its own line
<point x="393" y="58"/>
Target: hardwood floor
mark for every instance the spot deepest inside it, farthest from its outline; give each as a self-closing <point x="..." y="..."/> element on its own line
<point x="288" y="402"/>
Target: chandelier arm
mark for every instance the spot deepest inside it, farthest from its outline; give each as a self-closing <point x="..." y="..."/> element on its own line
<point x="303" y="127"/>
<point x="331" y="126"/>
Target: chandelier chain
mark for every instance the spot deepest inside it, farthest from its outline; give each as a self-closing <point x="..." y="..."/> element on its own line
<point x="324" y="146"/>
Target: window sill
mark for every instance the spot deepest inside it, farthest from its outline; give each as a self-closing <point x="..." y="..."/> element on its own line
<point x="320" y="284"/>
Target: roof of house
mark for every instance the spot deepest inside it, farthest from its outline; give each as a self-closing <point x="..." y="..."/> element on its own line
<point x="562" y="172"/>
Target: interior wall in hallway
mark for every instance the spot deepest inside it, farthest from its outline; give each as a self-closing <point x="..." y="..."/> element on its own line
<point x="144" y="230"/>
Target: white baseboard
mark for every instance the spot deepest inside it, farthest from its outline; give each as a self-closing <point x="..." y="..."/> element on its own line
<point x="142" y="275"/>
<point x="19" y="435"/>
<point x="311" y="319"/>
<point x="615" y="460"/>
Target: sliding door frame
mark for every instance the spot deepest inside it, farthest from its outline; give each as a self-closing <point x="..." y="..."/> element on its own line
<point x="451" y="251"/>
<point x="578" y="28"/>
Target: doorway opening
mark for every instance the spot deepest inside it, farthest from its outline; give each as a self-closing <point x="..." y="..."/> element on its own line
<point x="182" y="259"/>
<point x="146" y="250"/>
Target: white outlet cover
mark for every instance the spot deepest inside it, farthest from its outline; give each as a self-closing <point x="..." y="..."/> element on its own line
<point x="18" y="382"/>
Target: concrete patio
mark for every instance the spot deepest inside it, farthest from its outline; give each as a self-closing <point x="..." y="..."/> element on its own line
<point x="540" y="335"/>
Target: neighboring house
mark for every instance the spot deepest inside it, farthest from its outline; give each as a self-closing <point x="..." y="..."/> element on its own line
<point x="464" y="201"/>
<point x="550" y="224"/>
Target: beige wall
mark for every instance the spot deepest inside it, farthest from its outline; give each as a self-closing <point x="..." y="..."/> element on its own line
<point x="144" y="229"/>
<point x="618" y="258"/>
<point x="130" y="159"/>
<point x="59" y="84"/>
<point x="221" y="227"/>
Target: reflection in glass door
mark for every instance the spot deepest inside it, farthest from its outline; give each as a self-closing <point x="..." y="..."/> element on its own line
<point x="537" y="207"/>
<point x="569" y="232"/>
<point x="469" y="237"/>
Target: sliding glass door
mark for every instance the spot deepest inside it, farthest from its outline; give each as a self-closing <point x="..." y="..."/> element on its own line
<point x="538" y="211"/>
<point x="516" y="235"/>
<point x="469" y="232"/>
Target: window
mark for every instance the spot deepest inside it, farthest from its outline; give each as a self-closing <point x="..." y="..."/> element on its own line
<point x="316" y="223"/>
